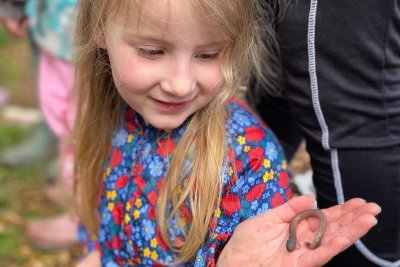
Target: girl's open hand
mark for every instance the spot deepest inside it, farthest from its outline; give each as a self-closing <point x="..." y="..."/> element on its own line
<point x="261" y="241"/>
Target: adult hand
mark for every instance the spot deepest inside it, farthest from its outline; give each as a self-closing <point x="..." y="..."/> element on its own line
<point x="261" y="240"/>
<point x="17" y="28"/>
<point x="91" y="260"/>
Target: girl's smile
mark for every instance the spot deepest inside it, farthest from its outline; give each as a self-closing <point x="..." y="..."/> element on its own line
<point x="170" y="106"/>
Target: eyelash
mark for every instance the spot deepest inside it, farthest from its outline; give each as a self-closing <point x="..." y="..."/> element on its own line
<point x="154" y="53"/>
<point x="206" y="57"/>
<point x="150" y="53"/>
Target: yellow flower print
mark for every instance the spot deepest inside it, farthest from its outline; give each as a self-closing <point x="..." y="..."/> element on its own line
<point x="217" y="212"/>
<point x="230" y="172"/>
<point x="146" y="252"/>
<point x="136" y="214"/>
<point x="154" y="255"/>
<point x="241" y="140"/>
<point x="268" y="175"/>
<point x="138" y="202"/>
<point x="130" y="138"/>
<point x="267" y="163"/>
<point x="111" y="195"/>
<point x="284" y="165"/>
<point x="127" y="218"/>
<point x="246" y="149"/>
<point x="153" y="243"/>
<point x="128" y="206"/>
<point x="110" y="206"/>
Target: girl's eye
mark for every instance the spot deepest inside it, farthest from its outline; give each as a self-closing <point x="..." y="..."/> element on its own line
<point x="151" y="53"/>
<point x="207" y="56"/>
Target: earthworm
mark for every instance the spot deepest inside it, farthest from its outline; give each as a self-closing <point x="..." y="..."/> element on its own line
<point x="291" y="243"/>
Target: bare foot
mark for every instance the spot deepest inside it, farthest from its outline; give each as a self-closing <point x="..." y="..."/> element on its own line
<point x="55" y="233"/>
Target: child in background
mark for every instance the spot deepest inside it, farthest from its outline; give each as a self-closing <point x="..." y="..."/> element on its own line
<point x="51" y="28"/>
<point x="41" y="145"/>
<point x="168" y="164"/>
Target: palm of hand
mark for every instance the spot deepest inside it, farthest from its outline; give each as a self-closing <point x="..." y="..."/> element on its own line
<point x="261" y="241"/>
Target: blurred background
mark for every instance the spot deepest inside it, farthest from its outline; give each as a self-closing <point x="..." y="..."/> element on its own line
<point x="21" y="189"/>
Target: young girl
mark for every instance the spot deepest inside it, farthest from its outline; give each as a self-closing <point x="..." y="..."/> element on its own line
<point x="168" y="163"/>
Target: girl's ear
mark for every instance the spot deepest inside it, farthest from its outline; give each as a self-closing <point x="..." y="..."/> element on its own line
<point x="101" y="41"/>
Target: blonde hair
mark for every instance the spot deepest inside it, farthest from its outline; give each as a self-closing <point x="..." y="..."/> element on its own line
<point x="101" y="109"/>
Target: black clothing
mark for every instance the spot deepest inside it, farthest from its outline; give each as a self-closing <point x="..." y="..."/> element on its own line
<point x="341" y="75"/>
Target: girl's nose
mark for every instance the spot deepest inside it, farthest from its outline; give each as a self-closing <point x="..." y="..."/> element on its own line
<point x="181" y="81"/>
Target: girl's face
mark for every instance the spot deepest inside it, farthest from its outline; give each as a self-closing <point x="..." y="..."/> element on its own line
<point x="167" y="64"/>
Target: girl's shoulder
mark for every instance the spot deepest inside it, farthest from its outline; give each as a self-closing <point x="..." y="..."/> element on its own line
<point x="241" y="119"/>
<point x="247" y="136"/>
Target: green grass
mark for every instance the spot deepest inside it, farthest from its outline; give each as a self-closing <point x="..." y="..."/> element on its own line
<point x="21" y="196"/>
<point x="21" y="199"/>
<point x="8" y="67"/>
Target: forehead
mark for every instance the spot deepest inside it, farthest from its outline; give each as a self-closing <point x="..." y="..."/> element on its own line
<point x="162" y="16"/>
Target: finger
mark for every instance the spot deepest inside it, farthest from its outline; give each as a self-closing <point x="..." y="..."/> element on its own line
<point x="337" y="211"/>
<point x="338" y="241"/>
<point x="342" y="215"/>
<point x="288" y="210"/>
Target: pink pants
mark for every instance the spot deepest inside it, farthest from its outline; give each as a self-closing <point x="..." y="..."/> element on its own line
<point x="58" y="103"/>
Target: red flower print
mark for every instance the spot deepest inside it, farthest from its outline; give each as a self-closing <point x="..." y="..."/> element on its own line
<point x="255" y="193"/>
<point x="116" y="158"/>
<point x="233" y="179"/>
<point x="230" y="204"/>
<point x="151" y="213"/>
<point x="117" y="213"/>
<point x="128" y="230"/>
<point x="213" y="224"/>
<point x="152" y="197"/>
<point x="254" y="134"/>
<point x="121" y="182"/>
<point x="131" y="126"/>
<point x="137" y="169"/>
<point x="116" y="243"/>
<point x="160" y="184"/>
<point x="130" y="114"/>
<point x="231" y="154"/>
<point x="239" y="165"/>
<point x="223" y="237"/>
<point x="210" y="262"/>
<point x="119" y="260"/>
<point x="186" y="213"/>
<point x="140" y="182"/>
<point x="257" y="152"/>
<point x="283" y="179"/>
<point x="165" y="147"/>
<point x="256" y="156"/>
<point x="277" y="200"/>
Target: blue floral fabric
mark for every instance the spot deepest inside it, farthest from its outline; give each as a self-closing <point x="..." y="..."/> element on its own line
<point x="134" y="172"/>
<point x="52" y="25"/>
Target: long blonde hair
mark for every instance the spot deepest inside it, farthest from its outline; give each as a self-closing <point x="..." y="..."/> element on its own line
<point x="100" y="111"/>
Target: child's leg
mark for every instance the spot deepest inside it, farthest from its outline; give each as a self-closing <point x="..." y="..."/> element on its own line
<point x="56" y="81"/>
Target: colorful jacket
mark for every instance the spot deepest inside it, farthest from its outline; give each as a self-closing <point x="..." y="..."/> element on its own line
<point x="52" y="26"/>
<point x="134" y="172"/>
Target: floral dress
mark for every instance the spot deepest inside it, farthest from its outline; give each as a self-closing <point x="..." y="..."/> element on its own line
<point x="134" y="172"/>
